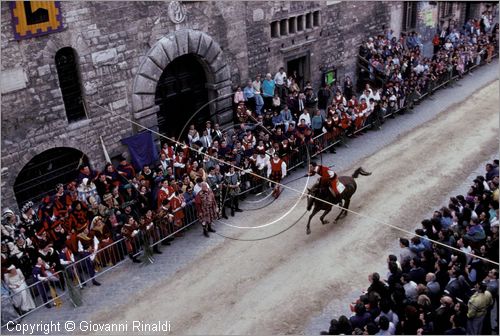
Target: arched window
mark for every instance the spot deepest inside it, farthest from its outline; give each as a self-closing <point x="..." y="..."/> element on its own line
<point x="70" y="84"/>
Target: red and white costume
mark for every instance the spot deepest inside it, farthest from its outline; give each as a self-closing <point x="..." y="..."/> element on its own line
<point x="327" y="177"/>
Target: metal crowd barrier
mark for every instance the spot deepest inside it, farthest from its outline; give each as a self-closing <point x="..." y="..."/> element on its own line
<point x="45" y="293"/>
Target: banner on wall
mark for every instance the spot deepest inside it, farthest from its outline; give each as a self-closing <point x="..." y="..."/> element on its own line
<point x="35" y="18"/>
<point x="142" y="149"/>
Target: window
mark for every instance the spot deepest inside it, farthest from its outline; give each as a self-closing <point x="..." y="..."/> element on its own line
<point x="284" y="27"/>
<point x="70" y="84"/>
<point x="410" y="15"/>
<point x="300" y="23"/>
<point x="308" y="20"/>
<point x="316" y="19"/>
<point x="275" y="29"/>
<point x="445" y="9"/>
<point x="291" y="25"/>
<point x="296" y="24"/>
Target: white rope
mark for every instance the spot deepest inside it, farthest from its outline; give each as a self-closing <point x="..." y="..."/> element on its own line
<point x="302" y="193"/>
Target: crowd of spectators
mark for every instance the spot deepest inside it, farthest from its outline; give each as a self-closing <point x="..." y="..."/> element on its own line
<point x="430" y="289"/>
<point x="276" y="120"/>
<point x="400" y="65"/>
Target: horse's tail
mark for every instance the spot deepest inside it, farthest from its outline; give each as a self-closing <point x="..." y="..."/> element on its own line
<point x="360" y="171"/>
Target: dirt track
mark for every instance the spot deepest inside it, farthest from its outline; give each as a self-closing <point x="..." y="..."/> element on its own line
<point x="275" y="285"/>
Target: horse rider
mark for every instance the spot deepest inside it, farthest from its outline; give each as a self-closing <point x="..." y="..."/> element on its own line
<point x="327" y="177"/>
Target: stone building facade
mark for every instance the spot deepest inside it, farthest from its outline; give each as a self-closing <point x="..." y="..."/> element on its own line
<point x="128" y="55"/>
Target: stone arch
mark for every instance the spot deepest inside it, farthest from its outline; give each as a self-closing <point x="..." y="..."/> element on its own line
<point x="168" y="48"/>
<point x="12" y="172"/>
<point x="43" y="171"/>
<point x="61" y="40"/>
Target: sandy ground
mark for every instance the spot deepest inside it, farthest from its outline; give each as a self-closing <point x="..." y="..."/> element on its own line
<point x="275" y="286"/>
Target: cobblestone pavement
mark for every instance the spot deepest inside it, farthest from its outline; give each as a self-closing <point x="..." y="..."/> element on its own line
<point x="126" y="278"/>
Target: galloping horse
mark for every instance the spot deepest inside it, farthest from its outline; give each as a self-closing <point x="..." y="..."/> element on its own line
<point x="324" y="193"/>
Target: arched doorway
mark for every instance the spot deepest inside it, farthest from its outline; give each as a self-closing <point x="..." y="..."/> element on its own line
<point x="197" y="46"/>
<point x="180" y="92"/>
<point x="40" y="176"/>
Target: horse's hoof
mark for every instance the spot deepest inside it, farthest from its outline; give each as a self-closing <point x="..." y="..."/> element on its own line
<point x="325" y="222"/>
<point x="308" y="231"/>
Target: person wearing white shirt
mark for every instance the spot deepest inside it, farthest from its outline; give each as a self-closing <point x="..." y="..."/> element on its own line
<point x="263" y="162"/>
<point x="367" y="94"/>
<point x="305" y="115"/>
<point x="419" y="69"/>
<point x="279" y="78"/>
<point x="376" y="95"/>
<point x="263" y="165"/>
<point x="280" y="81"/>
<point x="193" y="135"/>
<point x="197" y="186"/>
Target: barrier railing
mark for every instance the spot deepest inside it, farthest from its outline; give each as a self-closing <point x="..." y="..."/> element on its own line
<point x="50" y="292"/>
<point x="90" y="266"/>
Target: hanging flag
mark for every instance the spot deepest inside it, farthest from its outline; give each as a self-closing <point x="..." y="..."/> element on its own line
<point x="106" y="155"/>
<point x="35" y="18"/>
<point x="142" y="149"/>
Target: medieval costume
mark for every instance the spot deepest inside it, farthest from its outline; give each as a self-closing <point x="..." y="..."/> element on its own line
<point x="277" y="173"/>
<point x="232" y="190"/>
<point x="206" y="207"/>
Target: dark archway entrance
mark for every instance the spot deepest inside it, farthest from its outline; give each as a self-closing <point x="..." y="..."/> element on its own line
<point x="180" y="93"/>
<point x="40" y="176"/>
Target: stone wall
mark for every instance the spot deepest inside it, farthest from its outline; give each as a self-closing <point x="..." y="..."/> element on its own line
<point x="343" y="26"/>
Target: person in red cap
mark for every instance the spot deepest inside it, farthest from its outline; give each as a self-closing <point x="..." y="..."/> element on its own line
<point x="327" y="177"/>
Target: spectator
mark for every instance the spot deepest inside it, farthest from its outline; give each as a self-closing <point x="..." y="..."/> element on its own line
<point x="361" y="317"/>
<point x="406" y="254"/>
<point x="268" y="88"/>
<point x="249" y="94"/>
<point x="455" y="329"/>
<point x="280" y="81"/>
<point x="386" y="327"/>
<point x="344" y="326"/>
<point x="410" y="287"/>
<point x="477" y="308"/>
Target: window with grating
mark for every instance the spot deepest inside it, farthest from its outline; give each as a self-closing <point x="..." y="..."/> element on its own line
<point x="275" y="29"/>
<point x="300" y="23"/>
<point x="291" y="25"/>
<point x="70" y="83"/>
<point x="308" y="20"/>
<point x="284" y="27"/>
<point x="316" y="19"/>
<point x="410" y="15"/>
